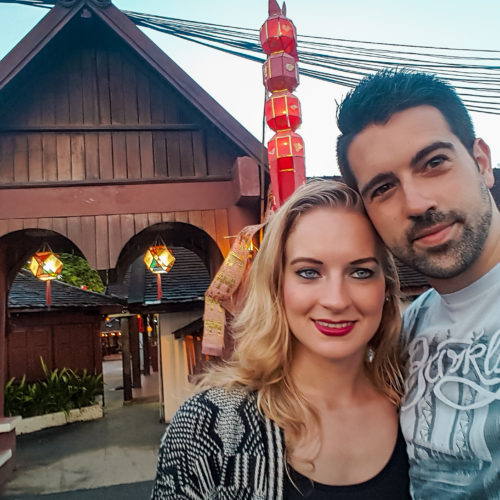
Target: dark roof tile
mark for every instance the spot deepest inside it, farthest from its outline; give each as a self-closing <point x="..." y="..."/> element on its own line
<point x="28" y="292"/>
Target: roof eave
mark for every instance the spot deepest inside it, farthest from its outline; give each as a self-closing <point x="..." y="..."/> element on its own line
<point x="35" y="41"/>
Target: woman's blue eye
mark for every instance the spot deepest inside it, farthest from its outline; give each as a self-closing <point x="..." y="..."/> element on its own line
<point x="362" y="274"/>
<point x="308" y="274"/>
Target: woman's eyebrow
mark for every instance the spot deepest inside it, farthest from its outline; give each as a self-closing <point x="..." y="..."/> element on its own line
<point x="365" y="261"/>
<point x="309" y="260"/>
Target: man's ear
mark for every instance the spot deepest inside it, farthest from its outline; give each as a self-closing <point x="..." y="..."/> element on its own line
<point x="482" y="156"/>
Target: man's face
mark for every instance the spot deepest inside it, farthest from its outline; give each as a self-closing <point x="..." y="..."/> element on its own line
<point x="425" y="194"/>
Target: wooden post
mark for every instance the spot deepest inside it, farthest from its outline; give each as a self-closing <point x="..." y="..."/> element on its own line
<point x="134" y="352"/>
<point x="145" y="347"/>
<point x="3" y="325"/>
<point x="127" y="380"/>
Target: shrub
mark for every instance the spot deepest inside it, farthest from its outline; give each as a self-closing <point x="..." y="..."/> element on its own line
<point x="62" y="390"/>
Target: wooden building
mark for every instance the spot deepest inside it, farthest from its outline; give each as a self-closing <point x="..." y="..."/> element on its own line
<point x="106" y="145"/>
<point x="66" y="334"/>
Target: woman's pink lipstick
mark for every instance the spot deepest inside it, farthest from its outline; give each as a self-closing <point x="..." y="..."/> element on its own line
<point x="334" y="328"/>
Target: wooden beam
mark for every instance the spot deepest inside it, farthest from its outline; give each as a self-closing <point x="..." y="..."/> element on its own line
<point x="118" y="127"/>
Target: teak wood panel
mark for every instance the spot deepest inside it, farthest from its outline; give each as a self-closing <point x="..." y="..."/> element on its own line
<point x="101" y="155"/>
<point x="99" y="84"/>
<point x="55" y="342"/>
<point x="102" y="238"/>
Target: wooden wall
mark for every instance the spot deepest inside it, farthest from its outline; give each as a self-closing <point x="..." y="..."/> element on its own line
<point x="64" y="340"/>
<point x="101" y="238"/>
<point x="89" y="109"/>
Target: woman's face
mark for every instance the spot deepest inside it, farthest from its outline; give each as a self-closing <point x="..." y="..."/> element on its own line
<point x="333" y="284"/>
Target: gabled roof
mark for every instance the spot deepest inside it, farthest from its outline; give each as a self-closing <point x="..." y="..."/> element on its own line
<point x="28" y="293"/>
<point x="59" y="16"/>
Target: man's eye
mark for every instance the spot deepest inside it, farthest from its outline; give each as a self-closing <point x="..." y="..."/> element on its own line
<point x="308" y="274"/>
<point x="380" y="190"/>
<point x="436" y="161"/>
<point x="362" y="273"/>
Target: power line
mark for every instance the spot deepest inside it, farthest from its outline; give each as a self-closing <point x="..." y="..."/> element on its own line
<point x="475" y="73"/>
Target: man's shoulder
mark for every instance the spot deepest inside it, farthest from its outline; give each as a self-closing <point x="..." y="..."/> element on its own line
<point x="416" y="312"/>
<point x="422" y="302"/>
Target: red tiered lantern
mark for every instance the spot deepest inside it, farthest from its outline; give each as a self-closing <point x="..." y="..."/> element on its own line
<point x="285" y="150"/>
<point x="286" y="164"/>
<point x="280" y="72"/>
<point x="282" y="111"/>
<point x="278" y="33"/>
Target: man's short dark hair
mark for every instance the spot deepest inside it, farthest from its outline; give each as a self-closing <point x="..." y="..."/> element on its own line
<point x="379" y="96"/>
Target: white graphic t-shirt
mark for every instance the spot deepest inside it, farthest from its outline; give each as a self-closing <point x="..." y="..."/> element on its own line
<point x="451" y="411"/>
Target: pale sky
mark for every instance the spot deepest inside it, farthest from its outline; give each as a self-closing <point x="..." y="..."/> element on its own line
<point x="237" y="83"/>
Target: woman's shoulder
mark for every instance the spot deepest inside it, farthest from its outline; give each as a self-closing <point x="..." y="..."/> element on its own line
<point x="219" y="400"/>
<point x="228" y="418"/>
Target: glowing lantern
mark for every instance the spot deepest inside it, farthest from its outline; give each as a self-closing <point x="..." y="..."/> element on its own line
<point x="280" y="72"/>
<point x="282" y="111"/>
<point x="278" y="38"/>
<point x="159" y="260"/>
<point x="286" y="164"/>
<point x="278" y="32"/>
<point x="46" y="267"/>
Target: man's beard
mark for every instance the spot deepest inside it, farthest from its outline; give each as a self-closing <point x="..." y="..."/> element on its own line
<point x="460" y="254"/>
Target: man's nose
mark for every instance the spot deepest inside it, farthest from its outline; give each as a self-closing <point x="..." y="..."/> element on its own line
<point x="417" y="199"/>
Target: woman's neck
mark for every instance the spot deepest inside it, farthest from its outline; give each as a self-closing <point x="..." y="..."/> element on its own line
<point x="328" y="382"/>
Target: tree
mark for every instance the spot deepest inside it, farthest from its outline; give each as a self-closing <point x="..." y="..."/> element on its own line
<point x="77" y="272"/>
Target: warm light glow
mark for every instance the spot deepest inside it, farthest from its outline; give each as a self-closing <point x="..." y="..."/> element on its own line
<point x="45" y="265"/>
<point x="149" y="329"/>
<point x="158" y="259"/>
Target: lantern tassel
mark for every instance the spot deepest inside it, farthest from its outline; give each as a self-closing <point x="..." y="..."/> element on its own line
<point x="48" y="295"/>
<point x="159" y="291"/>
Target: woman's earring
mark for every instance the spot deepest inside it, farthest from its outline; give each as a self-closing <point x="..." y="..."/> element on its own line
<point x="370" y="355"/>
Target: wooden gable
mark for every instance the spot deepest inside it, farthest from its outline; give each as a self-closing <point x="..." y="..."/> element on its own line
<point x="88" y="108"/>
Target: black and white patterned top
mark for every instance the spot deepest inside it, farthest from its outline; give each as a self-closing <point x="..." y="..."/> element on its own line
<point x="218" y="446"/>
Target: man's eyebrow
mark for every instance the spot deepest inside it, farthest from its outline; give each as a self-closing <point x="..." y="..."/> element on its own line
<point x="429" y="149"/>
<point x="378" y="179"/>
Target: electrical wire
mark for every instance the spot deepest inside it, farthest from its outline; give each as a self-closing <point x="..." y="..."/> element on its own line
<point x="475" y="73"/>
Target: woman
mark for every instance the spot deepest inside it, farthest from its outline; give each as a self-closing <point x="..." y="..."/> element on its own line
<point x="307" y="405"/>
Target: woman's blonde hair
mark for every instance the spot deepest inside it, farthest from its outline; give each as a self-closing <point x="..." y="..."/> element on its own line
<point x="263" y="353"/>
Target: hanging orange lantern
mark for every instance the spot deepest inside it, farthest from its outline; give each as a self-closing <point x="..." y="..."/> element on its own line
<point x="159" y="260"/>
<point x="282" y="111"/>
<point x="46" y="267"/>
<point x="286" y="164"/>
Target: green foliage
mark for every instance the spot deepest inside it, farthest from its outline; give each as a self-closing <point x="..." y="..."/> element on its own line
<point x="77" y="272"/>
<point x="62" y="390"/>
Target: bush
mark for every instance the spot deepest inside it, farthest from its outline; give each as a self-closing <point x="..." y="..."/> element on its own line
<point x="63" y="390"/>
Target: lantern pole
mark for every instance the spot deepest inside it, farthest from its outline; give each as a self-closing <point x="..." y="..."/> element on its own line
<point x="278" y="38"/>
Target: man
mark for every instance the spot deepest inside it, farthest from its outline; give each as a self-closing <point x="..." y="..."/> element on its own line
<point x="407" y="144"/>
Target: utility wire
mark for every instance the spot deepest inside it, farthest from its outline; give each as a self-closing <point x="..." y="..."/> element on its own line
<point x="475" y="73"/>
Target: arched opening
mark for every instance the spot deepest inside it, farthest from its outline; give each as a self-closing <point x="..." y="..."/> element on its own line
<point x="161" y="341"/>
